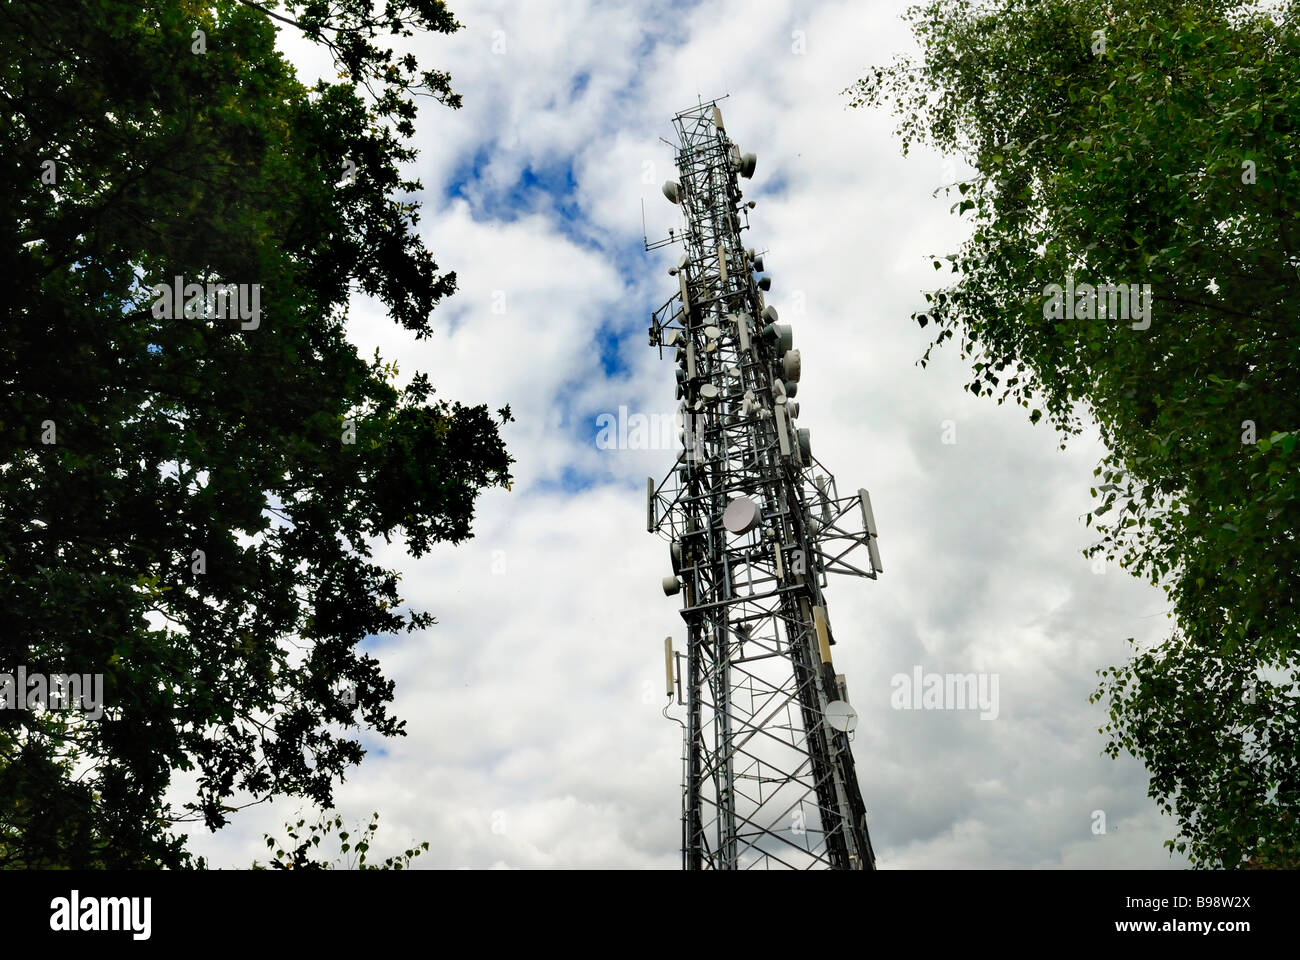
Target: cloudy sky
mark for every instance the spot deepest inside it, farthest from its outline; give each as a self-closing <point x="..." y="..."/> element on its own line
<point x="533" y="707"/>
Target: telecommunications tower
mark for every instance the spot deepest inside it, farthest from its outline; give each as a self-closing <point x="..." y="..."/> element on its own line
<point x="755" y="524"/>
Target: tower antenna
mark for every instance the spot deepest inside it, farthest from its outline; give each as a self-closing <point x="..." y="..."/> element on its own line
<point x="754" y="524"/>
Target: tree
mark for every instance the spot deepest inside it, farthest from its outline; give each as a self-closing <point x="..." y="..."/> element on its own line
<point x="189" y="485"/>
<point x="1149" y="143"/>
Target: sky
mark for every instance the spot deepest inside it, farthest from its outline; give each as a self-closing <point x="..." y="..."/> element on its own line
<point x="533" y="707"/>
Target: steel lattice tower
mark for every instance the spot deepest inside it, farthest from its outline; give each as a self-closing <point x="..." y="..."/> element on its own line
<point x="755" y="524"/>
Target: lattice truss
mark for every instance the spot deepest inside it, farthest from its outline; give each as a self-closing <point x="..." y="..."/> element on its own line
<point x="755" y="524"/>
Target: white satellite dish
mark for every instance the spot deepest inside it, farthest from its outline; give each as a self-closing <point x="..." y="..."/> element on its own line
<point x="791" y="366"/>
<point x="840" y="716"/>
<point x="741" y="515"/>
<point x="712" y="332"/>
<point x="673" y="191"/>
<point x="709" y="391"/>
<point x="671" y="586"/>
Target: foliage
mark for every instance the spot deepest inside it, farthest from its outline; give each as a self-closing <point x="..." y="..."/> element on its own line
<point x="353" y="853"/>
<point x="187" y="503"/>
<point x="1164" y="157"/>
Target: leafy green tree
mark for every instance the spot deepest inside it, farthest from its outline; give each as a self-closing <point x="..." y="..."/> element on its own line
<point x="1150" y="142"/>
<point x="188" y="491"/>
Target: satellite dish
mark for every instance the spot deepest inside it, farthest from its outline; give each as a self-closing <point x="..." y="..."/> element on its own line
<point x="670" y="338"/>
<point x="741" y="515"/>
<point x="709" y="391"/>
<point x="793" y="407"/>
<point x="673" y="191"/>
<point x="765" y="283"/>
<point x="747" y="163"/>
<point x="712" y="332"/>
<point x="791" y="366"/>
<point x="758" y="264"/>
<point x="676" y="550"/>
<point x="671" y="585"/>
<point x="840" y="716"/>
<point x="782" y="334"/>
<point x="769" y="314"/>
<point x="805" y="443"/>
<point x="791" y="388"/>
